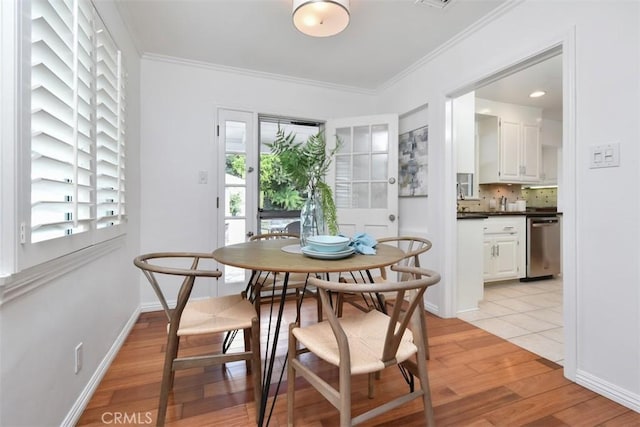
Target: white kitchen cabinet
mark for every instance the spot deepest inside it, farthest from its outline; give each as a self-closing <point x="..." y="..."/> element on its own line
<point x="470" y="284"/>
<point x="531" y="153"/>
<point x="549" y="174"/>
<point x="500" y="258"/>
<point x="464" y="132"/>
<point x="504" y="248"/>
<point x="511" y="153"/>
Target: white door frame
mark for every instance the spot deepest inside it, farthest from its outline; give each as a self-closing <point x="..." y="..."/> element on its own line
<point x="570" y="238"/>
<point x="251" y="184"/>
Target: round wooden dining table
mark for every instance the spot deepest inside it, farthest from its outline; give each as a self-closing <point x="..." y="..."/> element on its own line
<point x="282" y="256"/>
<point x="277" y="255"/>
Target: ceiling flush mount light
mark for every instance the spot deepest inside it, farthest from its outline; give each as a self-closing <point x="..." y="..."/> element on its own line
<point x="537" y="94"/>
<point x="321" y="18"/>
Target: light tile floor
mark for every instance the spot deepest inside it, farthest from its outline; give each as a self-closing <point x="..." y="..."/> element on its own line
<point x="528" y="314"/>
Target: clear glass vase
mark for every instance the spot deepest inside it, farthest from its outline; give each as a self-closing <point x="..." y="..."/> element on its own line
<point x="312" y="218"/>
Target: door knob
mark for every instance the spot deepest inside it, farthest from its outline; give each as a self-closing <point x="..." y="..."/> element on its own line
<point x="249" y="233"/>
<point x="392" y="180"/>
<point x="392" y="217"/>
<point x="250" y="169"/>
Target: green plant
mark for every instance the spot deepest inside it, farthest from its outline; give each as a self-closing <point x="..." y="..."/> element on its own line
<point x="306" y="165"/>
<point x="234" y="204"/>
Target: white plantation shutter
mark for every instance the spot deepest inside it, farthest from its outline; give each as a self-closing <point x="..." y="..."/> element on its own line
<point x="77" y="127"/>
<point x="110" y="133"/>
<point x="53" y="148"/>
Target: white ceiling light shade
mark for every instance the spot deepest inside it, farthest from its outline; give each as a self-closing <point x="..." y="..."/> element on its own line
<point x="321" y="18"/>
<point x="537" y="94"/>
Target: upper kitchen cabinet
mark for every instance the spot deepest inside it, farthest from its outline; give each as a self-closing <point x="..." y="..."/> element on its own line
<point x="464" y="132"/>
<point x="551" y="140"/>
<point x="509" y="143"/>
<point x="464" y="135"/>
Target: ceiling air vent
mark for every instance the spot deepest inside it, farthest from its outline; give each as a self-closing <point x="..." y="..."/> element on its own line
<point x="435" y="3"/>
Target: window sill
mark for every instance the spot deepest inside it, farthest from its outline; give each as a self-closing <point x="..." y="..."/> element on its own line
<point x="18" y="284"/>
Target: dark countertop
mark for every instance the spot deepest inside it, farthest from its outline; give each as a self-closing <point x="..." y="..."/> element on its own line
<point x="472" y="215"/>
<point x="484" y="215"/>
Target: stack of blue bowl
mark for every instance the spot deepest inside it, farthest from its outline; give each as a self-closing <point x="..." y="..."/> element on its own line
<point x="328" y="247"/>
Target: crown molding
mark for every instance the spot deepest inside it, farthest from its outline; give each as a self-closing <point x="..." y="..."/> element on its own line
<point x="466" y="33"/>
<point x="256" y="74"/>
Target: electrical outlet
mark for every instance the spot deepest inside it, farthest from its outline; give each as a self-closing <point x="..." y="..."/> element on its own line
<point x="78" y="358"/>
<point x="203" y="177"/>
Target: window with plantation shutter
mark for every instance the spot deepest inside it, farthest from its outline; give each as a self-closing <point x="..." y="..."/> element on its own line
<point x="110" y="133"/>
<point x="77" y="121"/>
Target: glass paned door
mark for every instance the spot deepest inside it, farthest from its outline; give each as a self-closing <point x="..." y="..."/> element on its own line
<point x="365" y="174"/>
<point x="236" y="209"/>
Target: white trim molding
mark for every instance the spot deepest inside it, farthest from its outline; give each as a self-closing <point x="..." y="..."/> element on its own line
<point x="9" y="11"/>
<point x="466" y="33"/>
<point x="607" y="389"/>
<point x="82" y="401"/>
<point x="18" y="284"/>
<point x="256" y="74"/>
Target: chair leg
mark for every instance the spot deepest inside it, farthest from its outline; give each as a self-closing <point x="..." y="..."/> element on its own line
<point x="339" y="303"/>
<point x="425" y="337"/>
<point x="319" y="307"/>
<point x="247" y="335"/>
<point x="372" y="390"/>
<point x="291" y="376"/>
<point x="173" y="341"/>
<point x="423" y="375"/>
<point x="256" y="369"/>
<point x="345" y="394"/>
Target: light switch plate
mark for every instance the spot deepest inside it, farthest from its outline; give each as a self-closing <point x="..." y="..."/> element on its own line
<point x="604" y="156"/>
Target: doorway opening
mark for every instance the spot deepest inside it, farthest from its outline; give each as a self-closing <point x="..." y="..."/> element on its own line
<point x="509" y="167"/>
<point x="279" y="200"/>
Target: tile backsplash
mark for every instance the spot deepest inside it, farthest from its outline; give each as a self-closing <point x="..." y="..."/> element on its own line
<point x="541" y="197"/>
<point x="536" y="198"/>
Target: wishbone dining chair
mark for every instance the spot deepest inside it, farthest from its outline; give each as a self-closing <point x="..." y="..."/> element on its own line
<point x="203" y="316"/>
<point x="365" y="343"/>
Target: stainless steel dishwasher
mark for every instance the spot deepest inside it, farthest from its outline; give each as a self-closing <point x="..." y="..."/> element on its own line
<point x="543" y="247"/>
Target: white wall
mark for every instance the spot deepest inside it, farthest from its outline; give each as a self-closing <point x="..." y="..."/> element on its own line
<point x="179" y="107"/>
<point x="602" y="301"/>
<point x="91" y="304"/>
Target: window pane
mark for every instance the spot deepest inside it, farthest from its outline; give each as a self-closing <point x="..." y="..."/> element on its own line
<point x="236" y="137"/>
<point x="235" y="232"/>
<point x="361" y="167"/>
<point x="361" y="139"/>
<point x="379" y="166"/>
<point x="343" y="168"/>
<point x="360" y="195"/>
<point x="343" y="194"/>
<point x="344" y="135"/>
<point x="380" y="138"/>
<point x="235" y="201"/>
<point x="379" y="195"/>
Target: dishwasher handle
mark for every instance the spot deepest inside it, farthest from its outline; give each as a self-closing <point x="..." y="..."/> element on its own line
<point x="544" y="222"/>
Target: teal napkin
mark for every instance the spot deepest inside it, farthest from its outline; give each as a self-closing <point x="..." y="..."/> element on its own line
<point x="364" y="244"/>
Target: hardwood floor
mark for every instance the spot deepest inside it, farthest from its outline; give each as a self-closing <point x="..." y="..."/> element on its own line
<point x="477" y="379"/>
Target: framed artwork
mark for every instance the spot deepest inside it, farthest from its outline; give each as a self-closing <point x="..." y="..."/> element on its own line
<point x="413" y="159"/>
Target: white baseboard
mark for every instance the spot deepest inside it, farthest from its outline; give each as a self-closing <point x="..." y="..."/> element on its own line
<point x="146" y="307"/>
<point x="432" y="308"/>
<point x="83" y="400"/>
<point x="606" y="389"/>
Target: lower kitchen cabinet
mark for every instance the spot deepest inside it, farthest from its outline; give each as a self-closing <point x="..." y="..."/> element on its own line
<point x="470" y="286"/>
<point x="504" y="248"/>
<point x="500" y="258"/>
